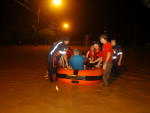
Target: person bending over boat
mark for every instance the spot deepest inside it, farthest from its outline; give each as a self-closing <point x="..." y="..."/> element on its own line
<point x="77" y="61"/>
<point x="57" y="53"/>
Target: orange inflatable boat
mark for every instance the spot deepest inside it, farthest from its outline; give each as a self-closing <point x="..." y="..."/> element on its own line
<point x="83" y="77"/>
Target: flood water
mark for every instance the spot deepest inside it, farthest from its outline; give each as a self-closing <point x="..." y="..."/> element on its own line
<point x="24" y="88"/>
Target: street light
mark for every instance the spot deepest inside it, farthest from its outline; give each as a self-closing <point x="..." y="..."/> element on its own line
<point x="66" y="26"/>
<point x="57" y="2"/>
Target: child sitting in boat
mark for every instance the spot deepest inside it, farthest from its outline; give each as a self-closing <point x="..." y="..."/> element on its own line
<point x="97" y="56"/>
<point x="90" y="54"/>
<point x="77" y="61"/>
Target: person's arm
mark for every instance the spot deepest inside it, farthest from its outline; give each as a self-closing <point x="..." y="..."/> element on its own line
<point x="107" y="58"/>
<point x="120" y="59"/>
<point x="65" y="59"/>
<point x="90" y="59"/>
<point x="87" y="54"/>
<point x="99" y="62"/>
<point x="61" y="61"/>
<point x="120" y="53"/>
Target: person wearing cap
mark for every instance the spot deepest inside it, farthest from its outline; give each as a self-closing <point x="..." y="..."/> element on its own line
<point x="117" y="58"/>
<point x="107" y="58"/>
<point x="56" y="53"/>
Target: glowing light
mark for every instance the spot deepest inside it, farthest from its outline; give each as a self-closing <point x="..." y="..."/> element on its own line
<point x="65" y="25"/>
<point x="57" y="2"/>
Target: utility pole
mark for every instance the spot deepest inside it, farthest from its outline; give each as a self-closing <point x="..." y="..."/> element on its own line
<point x="55" y="2"/>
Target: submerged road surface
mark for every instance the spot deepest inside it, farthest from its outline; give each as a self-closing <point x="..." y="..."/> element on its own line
<point x="24" y="88"/>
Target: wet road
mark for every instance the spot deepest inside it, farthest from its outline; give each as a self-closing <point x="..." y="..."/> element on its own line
<point x="24" y="89"/>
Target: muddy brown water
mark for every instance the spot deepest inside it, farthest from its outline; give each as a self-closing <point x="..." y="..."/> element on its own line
<point x="24" y="88"/>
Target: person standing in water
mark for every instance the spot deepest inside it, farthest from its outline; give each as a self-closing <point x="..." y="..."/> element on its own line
<point x="107" y="58"/>
<point x="56" y="53"/>
<point x="117" y="58"/>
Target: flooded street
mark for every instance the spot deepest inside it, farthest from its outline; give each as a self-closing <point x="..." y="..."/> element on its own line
<point x="24" y="88"/>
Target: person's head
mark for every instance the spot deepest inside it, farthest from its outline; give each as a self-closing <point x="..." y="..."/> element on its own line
<point x="76" y="51"/>
<point x="103" y="38"/>
<point x="66" y="40"/>
<point x="92" y="47"/>
<point x="96" y="45"/>
<point x="113" y="42"/>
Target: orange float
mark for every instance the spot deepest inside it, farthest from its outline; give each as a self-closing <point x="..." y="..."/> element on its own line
<point x="82" y="77"/>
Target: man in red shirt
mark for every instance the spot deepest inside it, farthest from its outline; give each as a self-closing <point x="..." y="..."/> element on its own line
<point x="107" y="58"/>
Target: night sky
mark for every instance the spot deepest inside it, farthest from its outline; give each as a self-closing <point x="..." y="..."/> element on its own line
<point x="122" y="19"/>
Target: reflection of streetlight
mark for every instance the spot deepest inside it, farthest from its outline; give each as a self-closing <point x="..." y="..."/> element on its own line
<point x="57" y="2"/>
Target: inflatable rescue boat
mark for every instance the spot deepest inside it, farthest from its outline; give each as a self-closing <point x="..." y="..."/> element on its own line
<point x="83" y="77"/>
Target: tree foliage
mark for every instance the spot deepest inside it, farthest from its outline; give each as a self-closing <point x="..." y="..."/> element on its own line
<point x="147" y="3"/>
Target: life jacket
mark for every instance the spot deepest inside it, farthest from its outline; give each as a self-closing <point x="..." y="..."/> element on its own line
<point x="91" y="54"/>
<point x="97" y="53"/>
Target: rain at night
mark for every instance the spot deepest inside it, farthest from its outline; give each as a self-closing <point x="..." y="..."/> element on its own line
<point x="75" y="56"/>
